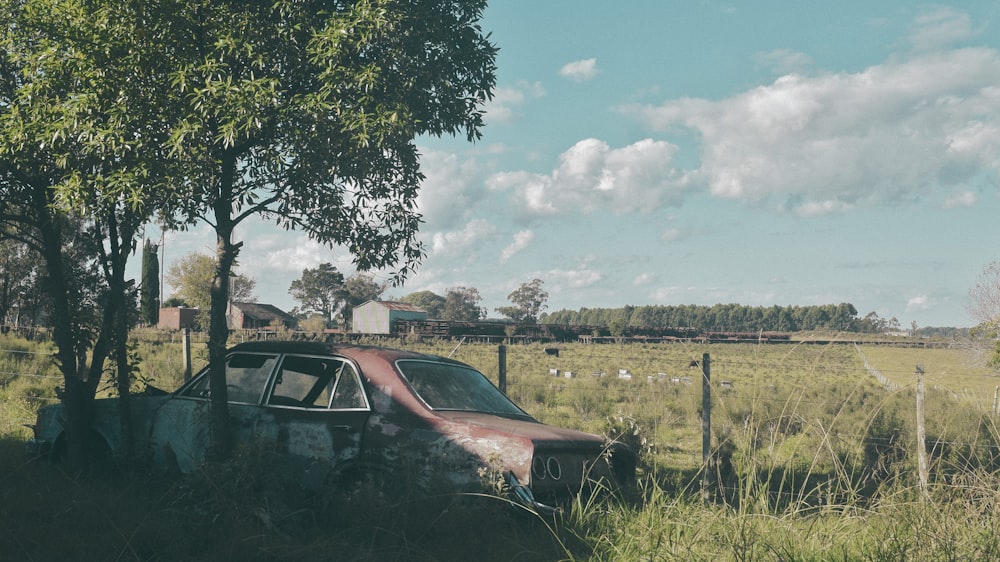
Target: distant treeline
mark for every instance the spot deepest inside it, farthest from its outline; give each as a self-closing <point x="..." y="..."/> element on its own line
<point x="726" y="317"/>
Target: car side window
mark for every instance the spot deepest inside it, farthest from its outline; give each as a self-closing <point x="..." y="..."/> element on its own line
<point x="349" y="393"/>
<point x="316" y="382"/>
<point x="246" y="377"/>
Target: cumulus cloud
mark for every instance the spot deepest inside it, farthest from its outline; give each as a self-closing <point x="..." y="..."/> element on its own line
<point x="963" y="199"/>
<point x="783" y="61"/>
<point x="579" y="71"/>
<point x="521" y="241"/>
<point x="919" y="302"/>
<point x="823" y="144"/>
<point x="454" y="242"/>
<point x="939" y="28"/>
<point x="579" y="278"/>
<point x="592" y="176"/>
<point x="450" y="190"/>
<point x="643" y="279"/>
<point x="507" y="99"/>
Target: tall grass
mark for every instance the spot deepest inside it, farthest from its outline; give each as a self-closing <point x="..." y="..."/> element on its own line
<point x="812" y="459"/>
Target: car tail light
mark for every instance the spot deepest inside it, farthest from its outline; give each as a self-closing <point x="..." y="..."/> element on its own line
<point x="538" y="468"/>
<point x="543" y="467"/>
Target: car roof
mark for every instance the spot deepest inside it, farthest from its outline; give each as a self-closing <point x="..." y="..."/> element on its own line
<point x="347" y="350"/>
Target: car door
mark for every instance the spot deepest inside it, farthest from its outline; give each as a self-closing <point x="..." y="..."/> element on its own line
<point x="181" y="432"/>
<point x="320" y="410"/>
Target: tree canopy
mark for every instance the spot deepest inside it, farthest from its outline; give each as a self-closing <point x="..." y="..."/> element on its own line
<point x="462" y="305"/>
<point x="319" y="290"/>
<point x="432" y="302"/>
<point x="528" y="302"/>
<point x="191" y="277"/>
<point x="724" y="317"/>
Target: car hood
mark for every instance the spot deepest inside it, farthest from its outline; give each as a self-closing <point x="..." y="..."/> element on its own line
<point x="537" y="432"/>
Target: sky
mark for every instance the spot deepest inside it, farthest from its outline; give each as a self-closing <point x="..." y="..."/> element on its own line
<point x="655" y="152"/>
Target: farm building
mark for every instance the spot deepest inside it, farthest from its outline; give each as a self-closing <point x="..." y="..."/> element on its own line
<point x="177" y="317"/>
<point x="378" y="317"/>
<point x="255" y="316"/>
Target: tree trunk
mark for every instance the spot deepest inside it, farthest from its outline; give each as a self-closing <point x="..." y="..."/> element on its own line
<point x="218" y="327"/>
<point x="78" y="395"/>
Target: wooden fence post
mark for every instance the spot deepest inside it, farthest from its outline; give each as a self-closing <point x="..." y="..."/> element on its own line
<point x="921" y="434"/>
<point x="706" y="424"/>
<point x="186" y="344"/>
<point x="502" y="360"/>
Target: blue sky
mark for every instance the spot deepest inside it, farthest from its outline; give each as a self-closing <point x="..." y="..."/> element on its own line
<point x="702" y="152"/>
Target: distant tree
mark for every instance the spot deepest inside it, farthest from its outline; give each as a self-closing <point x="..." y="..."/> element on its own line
<point x="984" y="307"/>
<point x="20" y="282"/>
<point x="462" y="305"/>
<point x="617" y="327"/>
<point x="359" y="289"/>
<point x="314" y="323"/>
<point x="319" y="290"/>
<point x="149" y="289"/>
<point x="528" y="301"/>
<point x="433" y="303"/>
<point x="174" y="302"/>
<point x="192" y="277"/>
<point x="984" y="296"/>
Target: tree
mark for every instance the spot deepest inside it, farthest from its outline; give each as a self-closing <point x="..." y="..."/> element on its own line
<point x="462" y="305"/>
<point x="984" y="306"/>
<point x="20" y="283"/>
<point x="433" y="303"/>
<point x="359" y="289"/>
<point x="319" y="290"/>
<point x="78" y="147"/>
<point x="149" y="302"/>
<point x="192" y="276"/>
<point x="984" y="296"/>
<point x="528" y="301"/>
<point x="305" y="113"/>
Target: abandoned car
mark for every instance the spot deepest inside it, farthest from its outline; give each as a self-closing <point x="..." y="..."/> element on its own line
<point x="329" y="410"/>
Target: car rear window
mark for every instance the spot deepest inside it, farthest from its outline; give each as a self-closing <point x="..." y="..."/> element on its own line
<point x="445" y="386"/>
<point x="246" y="377"/>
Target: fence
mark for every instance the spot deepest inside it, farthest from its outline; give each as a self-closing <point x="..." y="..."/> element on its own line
<point x="760" y="395"/>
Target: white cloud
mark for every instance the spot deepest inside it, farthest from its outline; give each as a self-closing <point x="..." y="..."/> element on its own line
<point x="454" y="242"/>
<point x="783" y="61"/>
<point x="506" y="99"/>
<point x="573" y="278"/>
<point x="593" y="177"/>
<point x="824" y="144"/>
<point x="521" y="241"/>
<point x="939" y="28"/>
<point x="579" y="71"/>
<point x="919" y="302"/>
<point x="643" y="279"/>
<point x="671" y="234"/>
<point x="963" y="199"/>
<point x="450" y="190"/>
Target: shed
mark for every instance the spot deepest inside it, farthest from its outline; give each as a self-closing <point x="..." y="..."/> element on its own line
<point x="177" y="317"/>
<point x="378" y="317"/>
<point x="256" y="316"/>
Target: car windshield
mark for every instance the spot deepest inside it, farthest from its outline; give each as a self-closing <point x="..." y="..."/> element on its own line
<point x="444" y="386"/>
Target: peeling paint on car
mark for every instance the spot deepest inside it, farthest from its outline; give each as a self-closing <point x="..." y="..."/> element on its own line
<point x="346" y="407"/>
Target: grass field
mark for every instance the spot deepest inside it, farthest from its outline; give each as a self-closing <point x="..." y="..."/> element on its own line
<point x="812" y="459"/>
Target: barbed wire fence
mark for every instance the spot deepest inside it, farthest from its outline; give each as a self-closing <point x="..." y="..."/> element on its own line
<point x="666" y="396"/>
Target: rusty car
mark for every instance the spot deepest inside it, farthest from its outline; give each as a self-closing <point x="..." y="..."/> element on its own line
<point x="331" y="410"/>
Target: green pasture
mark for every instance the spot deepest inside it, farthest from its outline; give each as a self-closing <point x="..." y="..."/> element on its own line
<point x="812" y="458"/>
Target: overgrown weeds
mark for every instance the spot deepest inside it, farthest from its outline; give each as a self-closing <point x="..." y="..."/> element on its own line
<point x="811" y="460"/>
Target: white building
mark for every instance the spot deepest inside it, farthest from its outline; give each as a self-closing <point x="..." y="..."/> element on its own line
<point x="378" y="317"/>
